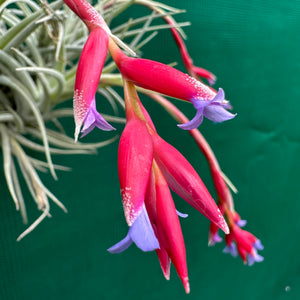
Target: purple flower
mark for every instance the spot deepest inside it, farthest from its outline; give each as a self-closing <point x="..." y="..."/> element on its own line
<point x="254" y="257"/>
<point x="215" y="239"/>
<point x="214" y="110"/>
<point x="245" y="244"/>
<point x="94" y="119"/>
<point x="241" y="223"/>
<point x="141" y="233"/>
<point x="231" y="249"/>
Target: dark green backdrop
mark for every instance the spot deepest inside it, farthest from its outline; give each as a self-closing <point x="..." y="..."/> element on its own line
<point x="253" y="48"/>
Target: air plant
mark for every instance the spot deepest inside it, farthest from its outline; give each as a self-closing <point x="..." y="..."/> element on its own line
<point x="48" y="57"/>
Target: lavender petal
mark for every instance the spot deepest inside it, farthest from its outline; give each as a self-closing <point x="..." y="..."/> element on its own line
<point x="211" y="81"/>
<point x="219" y="98"/>
<point x="182" y="215"/>
<point x="254" y="258"/>
<point x="241" y="223"/>
<point x="251" y="260"/>
<point x="231" y="249"/>
<point x="259" y="258"/>
<point x="121" y="246"/>
<point x="92" y="119"/>
<point x="216" y="239"/>
<point x="217" y="113"/>
<point x="142" y="234"/>
<point x="195" y="122"/>
<point x="258" y="245"/>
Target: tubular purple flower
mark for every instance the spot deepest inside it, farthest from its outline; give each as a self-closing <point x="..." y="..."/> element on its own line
<point x="141" y="233"/>
<point x="215" y="239"/>
<point x="231" y="249"/>
<point x="254" y="256"/>
<point x="89" y="69"/>
<point x="214" y="110"/>
<point x="94" y="119"/>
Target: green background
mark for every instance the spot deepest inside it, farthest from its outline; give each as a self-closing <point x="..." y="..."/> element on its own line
<point x="253" y="48"/>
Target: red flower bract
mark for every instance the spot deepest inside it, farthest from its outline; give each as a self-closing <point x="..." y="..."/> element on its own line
<point x="134" y="163"/>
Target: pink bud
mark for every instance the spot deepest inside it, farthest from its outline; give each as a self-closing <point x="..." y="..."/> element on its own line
<point x="163" y="215"/>
<point x="184" y="180"/>
<point x="164" y="79"/>
<point x="134" y="163"/>
<point x="159" y="77"/>
<point x="150" y="201"/>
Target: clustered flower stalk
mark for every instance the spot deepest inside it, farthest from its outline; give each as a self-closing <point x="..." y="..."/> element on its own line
<point x="238" y="241"/>
<point x="149" y="167"/>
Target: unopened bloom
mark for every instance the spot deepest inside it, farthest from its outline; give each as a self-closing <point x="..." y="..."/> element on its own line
<point x="164" y="79"/>
<point x="244" y="243"/>
<point x="184" y="181"/>
<point x="88" y="74"/>
<point x="164" y="218"/>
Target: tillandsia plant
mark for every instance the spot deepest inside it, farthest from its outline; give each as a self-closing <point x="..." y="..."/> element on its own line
<point x="38" y="53"/>
<point x="41" y="45"/>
